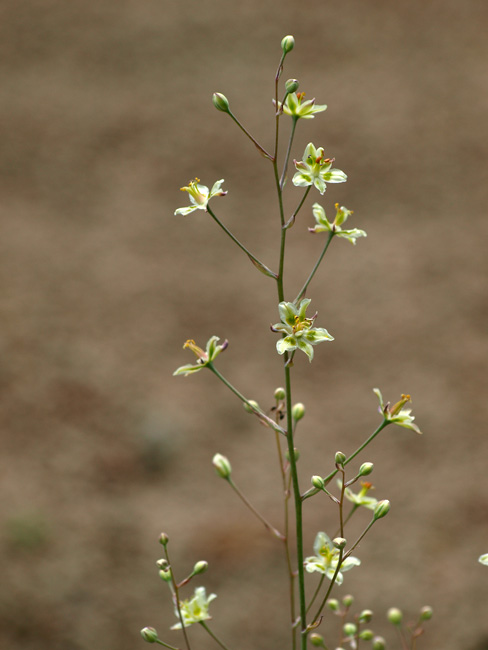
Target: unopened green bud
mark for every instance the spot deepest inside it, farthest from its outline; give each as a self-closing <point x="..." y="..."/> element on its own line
<point x="296" y="453"/>
<point x="365" y="469"/>
<point x="291" y="86"/>
<point x="149" y="634"/>
<point x="339" y="542"/>
<point x="378" y="643"/>
<point x="366" y="635"/>
<point x="220" y="102"/>
<point x="318" y="482"/>
<point x="287" y="44"/>
<point x="165" y="575"/>
<point x="426" y="613"/>
<point x="348" y="600"/>
<point x="350" y="629"/>
<point x="317" y="640"/>
<point x="200" y="567"/>
<point x="333" y="604"/>
<point x="298" y="411"/>
<point x="340" y="458"/>
<point x="365" y="616"/>
<point x="163" y="539"/>
<point x="248" y="406"/>
<point x="395" y="615"/>
<point x="222" y="466"/>
<point x="279" y="394"/>
<point x="382" y="508"/>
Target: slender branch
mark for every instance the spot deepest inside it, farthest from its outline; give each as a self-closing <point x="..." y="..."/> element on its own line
<point x="351" y="549"/>
<point x="255" y="142"/>
<point x="316" y="593"/>
<point x="327" y="479"/>
<point x="214" y="637"/>
<point x="166" y="645"/>
<point x="254" y="259"/>
<point x="262" y="416"/>
<point x="249" y="505"/>
<point x="332" y="582"/>
<point x="177" y="599"/>
<point x="314" y="270"/>
<point x="291" y="220"/>
<point x="287" y="157"/>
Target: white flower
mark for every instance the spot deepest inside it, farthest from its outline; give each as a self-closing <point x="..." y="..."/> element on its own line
<point x="396" y="414"/>
<point x="483" y="559"/>
<point x="200" y="195"/>
<point x="316" y="169"/>
<point x="324" y="225"/>
<point x="204" y="357"/>
<point x="299" y="330"/>
<point x="327" y="558"/>
<point x="195" y="609"/>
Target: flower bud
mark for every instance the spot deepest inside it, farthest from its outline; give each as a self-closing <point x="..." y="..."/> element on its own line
<point x="200" y="567"/>
<point x="365" y="469"/>
<point x="298" y="411"/>
<point x="318" y="482"/>
<point x="165" y="575"/>
<point x="426" y="613"/>
<point x="382" y="508"/>
<point x="365" y="616"/>
<point x="395" y="615"/>
<point x="163" y="564"/>
<point x="350" y="629"/>
<point x="222" y="466"/>
<point x="339" y="542"/>
<point x="149" y="634"/>
<point x="348" y="600"/>
<point x="296" y="453"/>
<point x="317" y="640"/>
<point x="340" y="458"/>
<point x="366" y="635"/>
<point x="333" y="604"/>
<point x="287" y="44"/>
<point x="378" y="643"/>
<point x="291" y="86"/>
<point x="163" y="539"/>
<point x="249" y="404"/>
<point x="220" y="102"/>
<point x="279" y="394"/>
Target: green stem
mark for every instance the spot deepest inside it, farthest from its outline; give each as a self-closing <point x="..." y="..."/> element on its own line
<point x="359" y="538"/>
<point x="249" y="505"/>
<point x="287" y="156"/>
<point x="321" y="582"/>
<point x="166" y="645"/>
<point x="262" y="416"/>
<point x="214" y="637"/>
<point x="255" y="142"/>
<point x="254" y="259"/>
<point x="332" y="582"/>
<point x="291" y="220"/>
<point x="327" y="479"/>
<point x="177" y="599"/>
<point x="298" y="508"/>
<point x="314" y="270"/>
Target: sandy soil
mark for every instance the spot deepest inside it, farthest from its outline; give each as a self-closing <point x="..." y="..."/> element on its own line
<point x="105" y="112"/>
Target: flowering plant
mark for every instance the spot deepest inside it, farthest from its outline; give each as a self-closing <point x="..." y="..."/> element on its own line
<point x="310" y="610"/>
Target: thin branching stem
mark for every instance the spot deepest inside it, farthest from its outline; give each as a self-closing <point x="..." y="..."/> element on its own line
<point x="302" y="291"/>
<point x="255" y="512"/>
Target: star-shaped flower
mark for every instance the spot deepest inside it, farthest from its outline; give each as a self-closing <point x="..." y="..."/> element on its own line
<point x="296" y="107"/>
<point x="194" y="610"/>
<point x="324" y="225"/>
<point x="299" y="330"/>
<point x="200" y="195"/>
<point x="361" y="498"/>
<point x="203" y="357"/>
<point x="316" y="169"/>
<point x="396" y="413"/>
<point x="327" y="558"/>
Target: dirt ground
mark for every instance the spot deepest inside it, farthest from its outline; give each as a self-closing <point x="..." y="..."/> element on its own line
<point x="105" y="112"/>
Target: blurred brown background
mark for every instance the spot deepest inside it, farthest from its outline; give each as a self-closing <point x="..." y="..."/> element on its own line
<point x="105" y="112"/>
